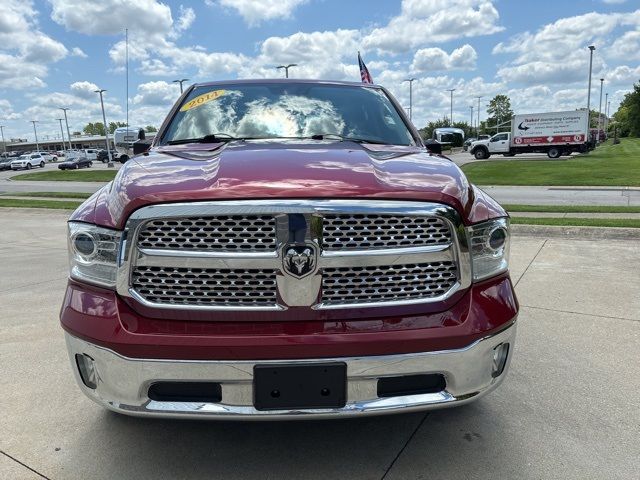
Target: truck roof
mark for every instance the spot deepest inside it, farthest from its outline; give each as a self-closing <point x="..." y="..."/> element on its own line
<point x="285" y="80"/>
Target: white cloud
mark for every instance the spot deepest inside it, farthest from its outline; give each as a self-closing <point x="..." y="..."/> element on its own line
<point x="157" y="94"/>
<point x="626" y="47"/>
<point x="77" y="52"/>
<point x="435" y="21"/>
<point x="435" y="59"/>
<point x="84" y="89"/>
<point x="25" y="50"/>
<point x="111" y="17"/>
<point x="255" y="11"/>
<point x="187" y="17"/>
<point x="6" y="110"/>
<point x="622" y="75"/>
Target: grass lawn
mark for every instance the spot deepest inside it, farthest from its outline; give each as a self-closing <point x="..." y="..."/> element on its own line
<point x="69" y="176"/>
<point x="579" y="222"/>
<point x="607" y="165"/>
<point x="571" y="208"/>
<point x="27" y="203"/>
<point x="58" y="195"/>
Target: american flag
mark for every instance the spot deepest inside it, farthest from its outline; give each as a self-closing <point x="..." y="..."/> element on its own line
<point x="364" y="71"/>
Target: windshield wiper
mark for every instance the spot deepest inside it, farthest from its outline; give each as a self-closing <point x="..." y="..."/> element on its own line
<point x="342" y="138"/>
<point x="211" y="138"/>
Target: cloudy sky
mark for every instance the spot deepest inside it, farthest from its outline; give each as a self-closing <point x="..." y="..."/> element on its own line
<point x="57" y="52"/>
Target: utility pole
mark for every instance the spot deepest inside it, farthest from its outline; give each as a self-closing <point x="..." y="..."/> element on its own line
<point x="286" y="68"/>
<point x="471" y="122"/>
<point x="67" y="123"/>
<point x="181" y="82"/>
<point x="478" y="124"/>
<point x="106" y="128"/>
<point x="606" y="111"/>
<point x="451" y="90"/>
<point x="600" y="108"/>
<point x="126" y="57"/>
<point x="410" y="80"/>
<point x="36" y="134"/>
<point x="591" y="49"/>
<point x="4" y="145"/>
<point x="61" y="132"/>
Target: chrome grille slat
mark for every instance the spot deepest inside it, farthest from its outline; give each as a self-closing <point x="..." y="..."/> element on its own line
<point x="202" y="286"/>
<point x="375" y="231"/>
<point x="373" y="284"/>
<point x="220" y="233"/>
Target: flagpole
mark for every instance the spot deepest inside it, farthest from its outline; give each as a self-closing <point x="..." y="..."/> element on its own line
<point x="126" y="50"/>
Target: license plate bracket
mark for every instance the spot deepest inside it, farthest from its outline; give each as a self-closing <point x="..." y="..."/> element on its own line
<point x="300" y="386"/>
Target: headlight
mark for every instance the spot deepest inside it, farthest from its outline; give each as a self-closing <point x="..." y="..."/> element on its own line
<point x="93" y="253"/>
<point x="489" y="245"/>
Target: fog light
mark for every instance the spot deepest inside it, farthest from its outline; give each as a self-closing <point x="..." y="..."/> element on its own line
<point x="87" y="369"/>
<point x="500" y="354"/>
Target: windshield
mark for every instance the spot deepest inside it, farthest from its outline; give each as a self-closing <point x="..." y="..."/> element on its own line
<point x="288" y="110"/>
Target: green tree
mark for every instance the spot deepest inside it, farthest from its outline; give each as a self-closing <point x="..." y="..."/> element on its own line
<point x="150" y="129"/>
<point x="114" y="125"/>
<point x="628" y="115"/>
<point x="499" y="111"/>
<point x="96" y="128"/>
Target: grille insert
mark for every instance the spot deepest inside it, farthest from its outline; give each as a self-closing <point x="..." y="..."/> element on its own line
<point x="374" y="284"/>
<point x="220" y="233"/>
<point x="371" y="231"/>
<point x="206" y="287"/>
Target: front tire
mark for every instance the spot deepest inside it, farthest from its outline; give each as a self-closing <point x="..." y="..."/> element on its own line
<point x="28" y="166"/>
<point x="42" y="164"/>
<point x="480" y="154"/>
<point x="554" y="152"/>
<point x="90" y="164"/>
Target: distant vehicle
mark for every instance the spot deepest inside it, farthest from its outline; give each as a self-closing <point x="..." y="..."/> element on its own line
<point x="467" y="143"/>
<point x="5" y="163"/>
<point x="60" y="153"/>
<point x="48" y="157"/>
<point x="28" y="161"/>
<point x="90" y="153"/>
<point x="75" y="163"/>
<point x="449" y="136"/>
<point x="553" y="133"/>
<point x="104" y="157"/>
<point x="124" y="138"/>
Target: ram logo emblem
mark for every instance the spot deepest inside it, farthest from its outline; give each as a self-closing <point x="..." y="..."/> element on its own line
<point x="299" y="260"/>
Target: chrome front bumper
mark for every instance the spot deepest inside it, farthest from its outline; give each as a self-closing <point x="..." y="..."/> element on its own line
<point x="123" y="383"/>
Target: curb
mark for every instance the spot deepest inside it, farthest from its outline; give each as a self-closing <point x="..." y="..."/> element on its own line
<point x="583" y="233"/>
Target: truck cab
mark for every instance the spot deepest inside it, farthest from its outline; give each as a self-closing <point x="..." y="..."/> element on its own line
<point x="499" y="143"/>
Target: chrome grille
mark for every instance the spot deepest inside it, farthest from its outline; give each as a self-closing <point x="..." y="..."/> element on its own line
<point x="372" y="284"/>
<point x="367" y="231"/>
<point x="206" y="286"/>
<point x="220" y="233"/>
<point x="234" y="255"/>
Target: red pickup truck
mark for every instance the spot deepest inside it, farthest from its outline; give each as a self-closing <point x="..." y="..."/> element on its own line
<point x="288" y="249"/>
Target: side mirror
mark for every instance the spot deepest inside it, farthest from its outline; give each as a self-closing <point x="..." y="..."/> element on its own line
<point x="433" y="146"/>
<point x="141" y="135"/>
<point x="140" y="147"/>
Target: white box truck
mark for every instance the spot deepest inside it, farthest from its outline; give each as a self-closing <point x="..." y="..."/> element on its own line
<point x="553" y="133"/>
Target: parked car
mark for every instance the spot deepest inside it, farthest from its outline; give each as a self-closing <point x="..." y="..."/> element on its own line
<point x="102" y="156"/>
<point x="47" y="156"/>
<point x="287" y="267"/>
<point x="28" y="161"/>
<point x="75" y="163"/>
<point x="5" y="163"/>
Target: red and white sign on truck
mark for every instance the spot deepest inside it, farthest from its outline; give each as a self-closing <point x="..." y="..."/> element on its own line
<point x="554" y="133"/>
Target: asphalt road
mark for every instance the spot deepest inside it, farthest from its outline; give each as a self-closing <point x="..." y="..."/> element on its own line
<point x="568" y="409"/>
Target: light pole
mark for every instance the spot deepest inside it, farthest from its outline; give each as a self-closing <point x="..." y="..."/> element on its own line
<point x="471" y="121"/>
<point x="478" y="124"/>
<point x="4" y="145"/>
<point x="451" y="90"/>
<point x="61" y="132"/>
<point x="410" y="80"/>
<point x="600" y="108"/>
<point x="606" y="111"/>
<point x="591" y="49"/>
<point x="67" y="123"/>
<point x="106" y="128"/>
<point x="36" y="134"/>
<point x="286" y="68"/>
<point x="181" y="82"/>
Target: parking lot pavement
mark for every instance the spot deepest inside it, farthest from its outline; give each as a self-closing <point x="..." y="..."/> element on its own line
<point x="569" y="407"/>
<point x="461" y="158"/>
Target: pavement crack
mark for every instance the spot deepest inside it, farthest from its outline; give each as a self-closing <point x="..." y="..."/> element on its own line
<point x="532" y="260"/>
<point x="24" y="465"/>
<point x="581" y="313"/>
<point x="413" y="434"/>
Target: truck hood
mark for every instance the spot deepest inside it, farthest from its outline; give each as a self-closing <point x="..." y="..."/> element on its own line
<point x="269" y="169"/>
